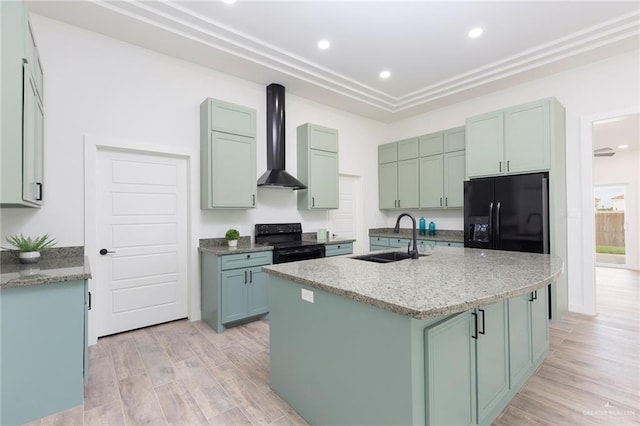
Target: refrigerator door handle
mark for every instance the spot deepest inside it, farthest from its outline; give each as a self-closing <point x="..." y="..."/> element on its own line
<point x="545" y="215"/>
<point x="491" y="219"/>
<point x="497" y="233"/>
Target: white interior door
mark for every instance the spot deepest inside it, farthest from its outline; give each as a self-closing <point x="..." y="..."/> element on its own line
<point x="142" y="222"/>
<point x="344" y="221"/>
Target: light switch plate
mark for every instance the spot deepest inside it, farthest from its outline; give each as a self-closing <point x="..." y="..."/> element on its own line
<point x="307" y="295"/>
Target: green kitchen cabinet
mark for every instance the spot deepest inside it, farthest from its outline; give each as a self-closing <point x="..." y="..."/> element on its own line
<point x="442" y="169"/>
<point x="22" y="116"/>
<point x="528" y="335"/>
<point x="485" y="144"/>
<point x="388" y="185"/>
<point x="454" y="175"/>
<point x="227" y="155"/>
<point x="450" y="371"/>
<point x="317" y="167"/>
<point x="233" y="288"/>
<point x="338" y="249"/>
<point x="527" y="137"/>
<point x="511" y="141"/>
<point x="43" y="350"/>
<point x="492" y="359"/>
<point x="398" y="181"/>
<point x="399" y="242"/>
<point x="467" y="366"/>
<point x="449" y="244"/>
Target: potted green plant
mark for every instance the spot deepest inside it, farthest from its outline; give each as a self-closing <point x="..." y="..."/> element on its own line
<point x="232" y="236"/>
<point x="30" y="248"/>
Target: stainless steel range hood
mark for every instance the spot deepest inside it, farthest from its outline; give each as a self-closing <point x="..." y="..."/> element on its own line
<point x="276" y="176"/>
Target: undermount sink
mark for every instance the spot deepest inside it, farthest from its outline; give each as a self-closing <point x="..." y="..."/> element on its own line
<point x="383" y="257"/>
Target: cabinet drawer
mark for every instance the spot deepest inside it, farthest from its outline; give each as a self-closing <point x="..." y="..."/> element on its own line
<point x="449" y="243"/>
<point x="427" y="243"/>
<point x="338" y="249"/>
<point x="379" y="241"/>
<point x="398" y="242"/>
<point x="244" y="260"/>
<point x="230" y="118"/>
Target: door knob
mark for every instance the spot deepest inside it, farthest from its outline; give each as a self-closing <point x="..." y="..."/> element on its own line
<point x="105" y="251"/>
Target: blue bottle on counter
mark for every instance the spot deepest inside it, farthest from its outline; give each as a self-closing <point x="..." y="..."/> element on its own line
<point x="423" y="226"/>
<point x="432" y="228"/>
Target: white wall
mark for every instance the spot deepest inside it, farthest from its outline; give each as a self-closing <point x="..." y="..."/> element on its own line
<point x="624" y="169"/>
<point x="100" y="86"/>
<point x="607" y="85"/>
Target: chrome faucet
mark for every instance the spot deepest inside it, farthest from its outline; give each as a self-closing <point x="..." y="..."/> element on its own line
<point x="413" y="253"/>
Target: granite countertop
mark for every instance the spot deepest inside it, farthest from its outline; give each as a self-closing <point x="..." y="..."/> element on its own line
<point x="220" y="247"/>
<point x="52" y="270"/>
<point x="450" y="280"/>
<point x="441" y="235"/>
<point x="334" y="240"/>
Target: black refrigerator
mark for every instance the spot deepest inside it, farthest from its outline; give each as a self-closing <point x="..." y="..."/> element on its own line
<point x="507" y="213"/>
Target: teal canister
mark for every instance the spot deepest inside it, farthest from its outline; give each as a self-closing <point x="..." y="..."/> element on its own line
<point x="423" y="226"/>
<point x="432" y="228"/>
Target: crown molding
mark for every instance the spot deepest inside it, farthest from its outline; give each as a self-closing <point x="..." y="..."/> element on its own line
<point x="175" y="19"/>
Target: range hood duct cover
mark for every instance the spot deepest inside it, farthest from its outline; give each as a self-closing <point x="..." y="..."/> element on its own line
<point x="276" y="176"/>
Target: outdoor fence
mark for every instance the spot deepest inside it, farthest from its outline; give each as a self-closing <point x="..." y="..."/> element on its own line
<point x="610" y="228"/>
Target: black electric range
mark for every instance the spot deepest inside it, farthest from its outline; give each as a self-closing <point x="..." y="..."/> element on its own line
<point x="286" y="238"/>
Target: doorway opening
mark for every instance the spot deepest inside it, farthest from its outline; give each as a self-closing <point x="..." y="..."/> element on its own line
<point x="609" y="201"/>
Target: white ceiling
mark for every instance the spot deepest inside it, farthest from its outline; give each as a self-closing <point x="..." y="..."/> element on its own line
<point x="613" y="132"/>
<point x="423" y="43"/>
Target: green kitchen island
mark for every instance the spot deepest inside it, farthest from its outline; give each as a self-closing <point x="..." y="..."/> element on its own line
<point x="445" y="339"/>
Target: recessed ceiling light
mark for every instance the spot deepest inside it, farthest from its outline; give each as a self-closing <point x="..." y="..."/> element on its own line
<point x="475" y="33"/>
<point x="623" y="146"/>
<point x="324" y="44"/>
<point x="385" y="74"/>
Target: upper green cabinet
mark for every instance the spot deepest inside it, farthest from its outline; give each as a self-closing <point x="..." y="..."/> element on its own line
<point x="317" y="167"/>
<point x="227" y="155"/>
<point x="511" y="141"/>
<point x="22" y="118"/>
<point x="398" y="174"/>
<point x="442" y="169"/>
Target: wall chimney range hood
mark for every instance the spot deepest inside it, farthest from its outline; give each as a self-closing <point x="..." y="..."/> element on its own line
<point x="276" y="176"/>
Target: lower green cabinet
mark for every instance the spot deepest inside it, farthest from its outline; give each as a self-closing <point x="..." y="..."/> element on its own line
<point x="450" y="370"/>
<point x="528" y="334"/>
<point x="43" y="351"/>
<point x="382" y="243"/>
<point x="338" y="249"/>
<point x="233" y="287"/>
<point x="492" y="357"/>
<point x="476" y="361"/>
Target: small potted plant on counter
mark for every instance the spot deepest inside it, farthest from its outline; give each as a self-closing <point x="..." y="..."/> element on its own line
<point x="30" y="248"/>
<point x="232" y="236"/>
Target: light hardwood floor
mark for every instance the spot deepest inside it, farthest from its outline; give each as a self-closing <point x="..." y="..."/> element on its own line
<point x="183" y="373"/>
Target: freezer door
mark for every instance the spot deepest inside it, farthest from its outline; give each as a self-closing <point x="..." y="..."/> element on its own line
<point x="478" y="213"/>
<point x="521" y="213"/>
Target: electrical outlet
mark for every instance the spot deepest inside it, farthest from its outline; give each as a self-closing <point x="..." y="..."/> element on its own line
<point x="307" y="295"/>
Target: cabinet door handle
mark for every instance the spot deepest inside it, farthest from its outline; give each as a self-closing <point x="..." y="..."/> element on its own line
<point x="89" y="307"/>
<point x="446" y="201"/>
<point x="245" y="277"/>
<point x="313" y="201"/>
<point x="395" y="203"/>
<point x="251" y="276"/>
<point x="483" y="330"/>
<point x="500" y="166"/>
<point x="534" y="296"/>
<point x="507" y="165"/>
<point x="440" y="201"/>
<point x="398" y="203"/>
<point x="254" y="199"/>
<point x="39" y="186"/>
<point x="474" y="335"/>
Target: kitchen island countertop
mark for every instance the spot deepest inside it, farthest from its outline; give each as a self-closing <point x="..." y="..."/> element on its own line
<point x="448" y="281"/>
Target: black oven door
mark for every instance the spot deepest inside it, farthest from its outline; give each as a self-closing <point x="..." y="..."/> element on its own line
<point x="294" y="254"/>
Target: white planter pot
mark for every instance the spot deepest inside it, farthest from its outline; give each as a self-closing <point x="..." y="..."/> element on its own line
<point x="233" y="243"/>
<point x="29" y="256"/>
